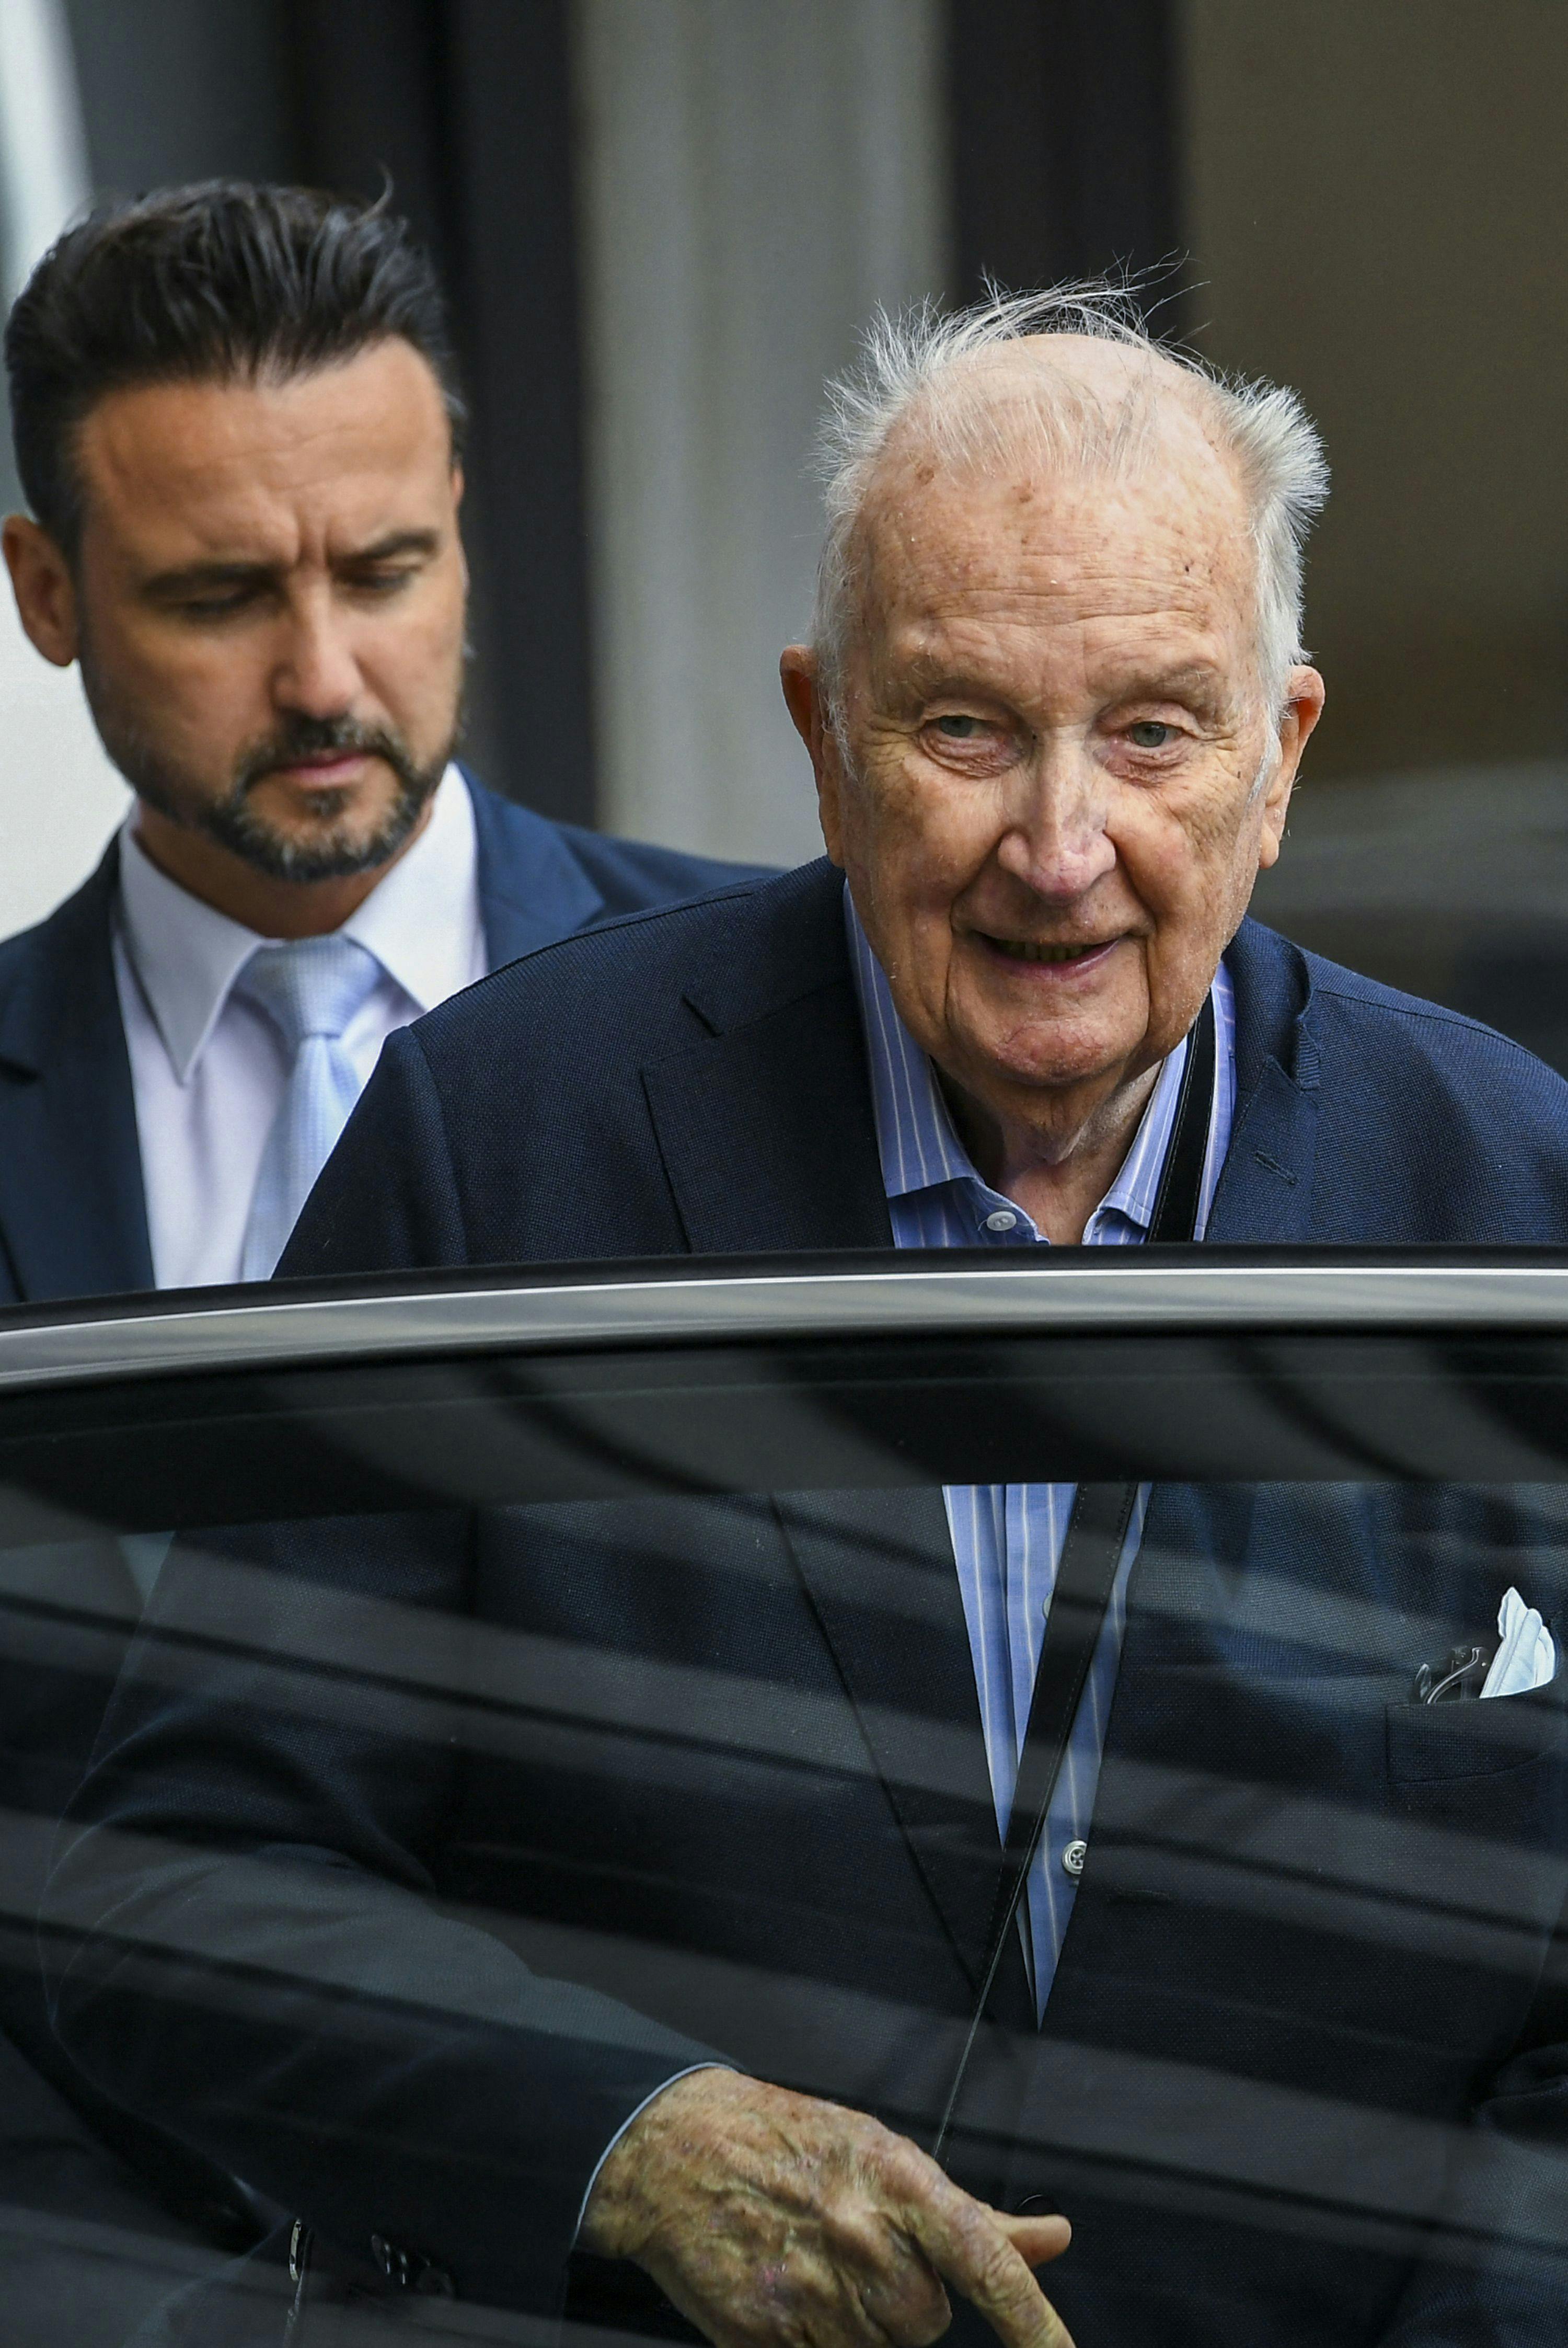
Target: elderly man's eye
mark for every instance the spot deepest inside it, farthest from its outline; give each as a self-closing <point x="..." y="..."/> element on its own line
<point x="958" y="727"/>
<point x="1150" y="734"/>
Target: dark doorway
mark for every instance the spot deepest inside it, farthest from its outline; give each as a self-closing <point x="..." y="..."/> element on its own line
<point x="1064" y="147"/>
<point x="467" y="105"/>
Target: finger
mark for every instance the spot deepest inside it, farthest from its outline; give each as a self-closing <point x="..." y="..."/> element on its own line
<point x="894" y="2283"/>
<point x="1037" y="2240"/>
<point x="967" y="2247"/>
<point x="906" y="2303"/>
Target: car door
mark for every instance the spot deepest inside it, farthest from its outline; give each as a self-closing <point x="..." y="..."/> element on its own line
<point x="556" y="1682"/>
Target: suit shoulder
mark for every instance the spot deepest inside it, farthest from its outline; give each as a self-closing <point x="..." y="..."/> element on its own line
<point x="625" y="874"/>
<point x="1435" y="1027"/>
<point x="634" y="874"/>
<point x="1397" y="1034"/>
<point x="636" y="983"/>
<point x="20" y="951"/>
<point x="83" y="913"/>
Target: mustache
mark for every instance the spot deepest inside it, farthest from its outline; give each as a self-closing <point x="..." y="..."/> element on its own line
<point x="316" y="737"/>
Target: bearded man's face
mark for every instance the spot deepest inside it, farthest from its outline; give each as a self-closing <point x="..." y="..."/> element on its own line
<point x="270" y="590"/>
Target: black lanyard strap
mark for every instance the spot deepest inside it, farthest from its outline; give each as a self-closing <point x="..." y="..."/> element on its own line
<point x="1086" y="1573"/>
<point x="1175" y="1215"/>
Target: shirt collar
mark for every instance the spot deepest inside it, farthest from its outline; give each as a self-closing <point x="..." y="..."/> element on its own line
<point x="915" y="1136"/>
<point x="185" y="953"/>
<point x="421" y="922"/>
<point x="916" y="1140"/>
<point x="1136" y="1193"/>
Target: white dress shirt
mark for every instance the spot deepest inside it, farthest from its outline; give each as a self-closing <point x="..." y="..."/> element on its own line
<point x="209" y="1070"/>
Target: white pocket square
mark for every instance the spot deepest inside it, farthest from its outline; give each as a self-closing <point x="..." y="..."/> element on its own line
<point x="1527" y="1655"/>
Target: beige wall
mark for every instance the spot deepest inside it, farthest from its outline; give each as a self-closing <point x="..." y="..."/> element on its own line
<point x="60" y="797"/>
<point x="755" y="179"/>
<point x="1378" y="199"/>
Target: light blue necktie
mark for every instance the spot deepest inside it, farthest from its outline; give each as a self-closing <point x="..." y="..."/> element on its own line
<point x="310" y="990"/>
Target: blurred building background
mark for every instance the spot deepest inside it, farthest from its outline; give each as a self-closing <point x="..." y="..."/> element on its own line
<point x="663" y="221"/>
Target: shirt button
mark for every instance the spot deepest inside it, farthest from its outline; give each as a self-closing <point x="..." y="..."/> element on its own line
<point x="1003" y="1220"/>
<point x="1072" y="1860"/>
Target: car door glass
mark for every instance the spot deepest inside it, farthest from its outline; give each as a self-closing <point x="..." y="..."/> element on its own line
<point x="641" y="1701"/>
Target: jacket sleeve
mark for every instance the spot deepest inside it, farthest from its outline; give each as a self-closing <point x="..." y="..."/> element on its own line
<point x="386" y="1199"/>
<point x="244" y="1939"/>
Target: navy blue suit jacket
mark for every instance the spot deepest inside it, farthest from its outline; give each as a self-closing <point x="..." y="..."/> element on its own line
<point x="695" y="1080"/>
<point x="73" y="1217"/>
<point x="1262" y="2058"/>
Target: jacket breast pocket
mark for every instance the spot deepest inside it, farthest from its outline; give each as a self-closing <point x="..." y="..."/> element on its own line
<point x="1481" y="1739"/>
<point x="1478" y="1790"/>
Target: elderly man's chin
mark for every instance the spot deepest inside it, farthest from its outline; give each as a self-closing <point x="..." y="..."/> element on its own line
<point x="1049" y="1024"/>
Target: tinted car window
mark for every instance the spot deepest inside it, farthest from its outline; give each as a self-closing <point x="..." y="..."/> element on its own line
<point x="511" y="1728"/>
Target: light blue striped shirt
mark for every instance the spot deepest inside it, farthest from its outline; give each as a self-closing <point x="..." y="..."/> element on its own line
<point x="1007" y="1538"/>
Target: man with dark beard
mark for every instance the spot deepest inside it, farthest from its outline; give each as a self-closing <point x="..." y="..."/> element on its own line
<point x="237" y="426"/>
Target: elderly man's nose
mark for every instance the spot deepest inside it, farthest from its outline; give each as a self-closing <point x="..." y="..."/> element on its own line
<point x="1058" y="844"/>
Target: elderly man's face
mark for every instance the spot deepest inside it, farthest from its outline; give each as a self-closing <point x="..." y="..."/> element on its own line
<point x="1049" y="816"/>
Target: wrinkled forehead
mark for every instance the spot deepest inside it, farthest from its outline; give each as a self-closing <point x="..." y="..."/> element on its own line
<point x="1061" y="403"/>
<point x="981" y="471"/>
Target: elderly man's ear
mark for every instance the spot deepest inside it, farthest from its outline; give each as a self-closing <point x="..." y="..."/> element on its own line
<point x="45" y="591"/>
<point x="1303" y="710"/>
<point x="804" y="699"/>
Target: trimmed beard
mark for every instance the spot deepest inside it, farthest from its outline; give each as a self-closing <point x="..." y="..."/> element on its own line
<point x="333" y="854"/>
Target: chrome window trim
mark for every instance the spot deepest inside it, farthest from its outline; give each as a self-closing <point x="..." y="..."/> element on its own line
<point x="1117" y="1292"/>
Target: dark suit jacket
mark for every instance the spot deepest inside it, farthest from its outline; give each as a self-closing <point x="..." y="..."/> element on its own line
<point x="1273" y="2070"/>
<point x="72" y="1222"/>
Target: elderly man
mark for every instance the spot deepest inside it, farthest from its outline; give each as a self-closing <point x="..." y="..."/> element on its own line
<point x="1055" y="704"/>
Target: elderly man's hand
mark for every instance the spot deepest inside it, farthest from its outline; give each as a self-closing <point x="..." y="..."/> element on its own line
<point x="771" y="2219"/>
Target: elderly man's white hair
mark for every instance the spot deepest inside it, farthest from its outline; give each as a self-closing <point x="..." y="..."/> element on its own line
<point x="925" y="377"/>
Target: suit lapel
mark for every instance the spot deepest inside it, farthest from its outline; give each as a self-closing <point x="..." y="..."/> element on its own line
<point x="72" y="1207"/>
<point x="1266" y="1191"/>
<point x="765" y="1123"/>
<point x="766" y="1134"/>
<point x="878" y="1567"/>
<point x="768" y="1138"/>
